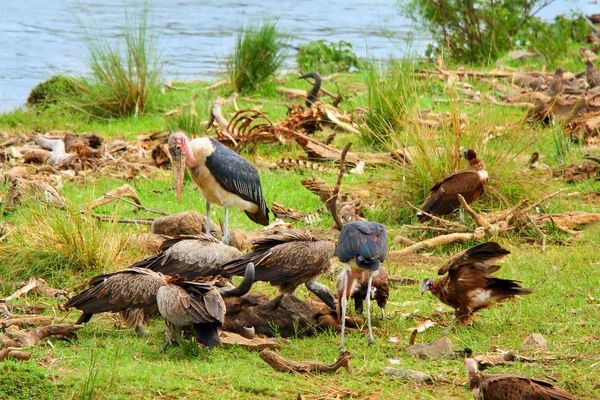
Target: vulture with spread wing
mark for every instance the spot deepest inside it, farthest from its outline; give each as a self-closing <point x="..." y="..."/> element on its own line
<point x="287" y="261"/>
<point x="469" y="285"/>
<point x="469" y="183"/>
<point x="510" y="387"/>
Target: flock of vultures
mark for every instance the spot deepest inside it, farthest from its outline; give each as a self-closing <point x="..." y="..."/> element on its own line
<point x="183" y="282"/>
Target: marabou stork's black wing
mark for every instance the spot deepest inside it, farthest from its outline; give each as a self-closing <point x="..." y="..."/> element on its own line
<point x="190" y="257"/>
<point x="130" y="288"/>
<point x="236" y="175"/>
<point x="365" y="242"/>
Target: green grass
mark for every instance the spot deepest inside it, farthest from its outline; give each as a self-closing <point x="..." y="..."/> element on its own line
<point x="258" y="54"/>
<point x="112" y="363"/>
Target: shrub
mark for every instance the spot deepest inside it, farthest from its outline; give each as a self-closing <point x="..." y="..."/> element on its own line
<point x="326" y="58"/>
<point x="124" y="79"/>
<point x="258" y="54"/>
<point x="51" y="90"/>
<point x="473" y="31"/>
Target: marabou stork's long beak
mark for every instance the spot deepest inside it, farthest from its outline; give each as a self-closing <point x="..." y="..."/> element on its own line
<point x="178" y="160"/>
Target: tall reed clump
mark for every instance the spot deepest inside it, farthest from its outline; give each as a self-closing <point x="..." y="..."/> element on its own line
<point x="57" y="244"/>
<point x="391" y="93"/>
<point x="258" y="54"/>
<point x="434" y="153"/>
<point x="125" y="75"/>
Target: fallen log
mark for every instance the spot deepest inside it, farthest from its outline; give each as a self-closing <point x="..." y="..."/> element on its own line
<point x="16" y="354"/>
<point x="278" y="363"/>
<point x="230" y="339"/>
<point x="65" y="330"/>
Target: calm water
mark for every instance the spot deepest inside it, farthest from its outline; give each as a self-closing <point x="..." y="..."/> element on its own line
<point x="40" y="38"/>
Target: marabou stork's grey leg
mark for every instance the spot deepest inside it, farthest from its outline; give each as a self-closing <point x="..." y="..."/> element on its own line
<point x="371" y="340"/>
<point x="344" y="302"/>
<point x="322" y="292"/>
<point x="226" y="233"/>
<point x="207" y="222"/>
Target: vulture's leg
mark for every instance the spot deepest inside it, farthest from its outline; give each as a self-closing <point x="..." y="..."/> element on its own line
<point x="139" y="329"/>
<point x="207" y="221"/>
<point x="226" y="233"/>
<point x="85" y="317"/>
<point x="170" y="335"/>
<point x="383" y="313"/>
<point x="344" y="303"/>
<point x="322" y="292"/>
<point x="371" y="340"/>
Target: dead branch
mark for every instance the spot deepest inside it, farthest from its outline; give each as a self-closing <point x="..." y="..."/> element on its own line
<point x="216" y="85"/>
<point x="438" y="241"/>
<point x="27" y="321"/>
<point x="118" y="193"/>
<point x="402" y="280"/>
<point x="230" y="339"/>
<point x="540" y="201"/>
<point x="66" y="330"/>
<point x="479" y="220"/>
<point x="279" y="363"/>
<point x="22" y="291"/>
<point x="332" y="203"/>
<point x="444" y="222"/>
<point x="16" y="354"/>
<point x="119" y="220"/>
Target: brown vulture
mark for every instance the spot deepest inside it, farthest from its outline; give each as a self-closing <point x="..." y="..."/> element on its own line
<point x="592" y="75"/>
<point x="362" y="247"/>
<point x="380" y="288"/>
<point x="469" y="182"/>
<point x="198" y="305"/>
<point x="469" y="285"/>
<point x="510" y="387"/>
<point x="556" y="86"/>
<point x="190" y="257"/>
<point x="223" y="176"/>
<point x="287" y="261"/>
<point x="134" y="288"/>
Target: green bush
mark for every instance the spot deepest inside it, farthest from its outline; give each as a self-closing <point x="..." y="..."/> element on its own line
<point x="125" y="79"/>
<point x="326" y="58"/>
<point x="474" y="31"/>
<point x="552" y="40"/>
<point x="51" y="90"/>
<point x="258" y="54"/>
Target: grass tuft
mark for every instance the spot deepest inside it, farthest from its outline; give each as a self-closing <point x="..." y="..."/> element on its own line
<point x="258" y="54"/>
<point x="125" y="78"/>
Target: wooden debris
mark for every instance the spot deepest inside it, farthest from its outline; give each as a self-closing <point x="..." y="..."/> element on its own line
<point x="36" y="334"/>
<point x="115" y="194"/>
<point x="279" y="211"/>
<point x="27" y="321"/>
<point x="401" y="280"/>
<point x="409" y="375"/>
<point x="37" y="189"/>
<point x="160" y="155"/>
<point x="230" y="339"/>
<point x="16" y="354"/>
<point x="278" y="363"/>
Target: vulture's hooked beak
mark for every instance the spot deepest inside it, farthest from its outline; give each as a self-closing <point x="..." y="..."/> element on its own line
<point x="425" y="286"/>
<point x="178" y="160"/>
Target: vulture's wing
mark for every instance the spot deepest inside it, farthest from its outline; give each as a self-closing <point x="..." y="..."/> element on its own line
<point x="202" y="303"/>
<point x="515" y="386"/>
<point x="484" y="254"/>
<point x="130" y="288"/>
<point x="191" y="258"/>
<point x="443" y="196"/>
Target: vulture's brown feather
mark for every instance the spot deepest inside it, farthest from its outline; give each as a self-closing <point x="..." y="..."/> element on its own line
<point x="510" y="387"/>
<point x="191" y="257"/>
<point x="469" y="285"/>
<point x="443" y="196"/>
<point x="286" y="260"/>
<point x="380" y="289"/>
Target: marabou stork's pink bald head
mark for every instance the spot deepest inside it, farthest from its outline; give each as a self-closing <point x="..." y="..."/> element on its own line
<point x="178" y="147"/>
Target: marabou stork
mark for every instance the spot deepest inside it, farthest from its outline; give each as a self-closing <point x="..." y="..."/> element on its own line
<point x="287" y="261"/>
<point x="312" y="96"/>
<point x="224" y="177"/>
<point x="469" y="183"/>
<point x="361" y="246"/>
<point x="469" y="285"/>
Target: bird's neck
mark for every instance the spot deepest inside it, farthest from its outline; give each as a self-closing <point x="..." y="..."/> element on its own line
<point x="476" y="164"/>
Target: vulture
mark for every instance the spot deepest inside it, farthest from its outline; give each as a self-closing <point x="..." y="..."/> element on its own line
<point x="362" y="247"/>
<point x="510" y="387"/>
<point x="592" y="75"/>
<point x="190" y="257"/>
<point x="380" y="289"/>
<point x="469" y="285"/>
<point x="287" y="261"/>
<point x="556" y="86"/>
<point x="224" y="177"/>
<point x="134" y="288"/>
<point x="469" y="182"/>
<point x="312" y="96"/>
<point x="198" y="305"/>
